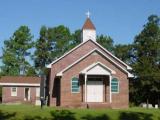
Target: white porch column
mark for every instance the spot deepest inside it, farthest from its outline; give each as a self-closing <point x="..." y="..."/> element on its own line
<point x="85" y="85"/>
<point x="110" y="92"/>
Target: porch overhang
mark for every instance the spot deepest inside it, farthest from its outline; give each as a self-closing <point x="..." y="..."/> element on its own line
<point x="98" y="69"/>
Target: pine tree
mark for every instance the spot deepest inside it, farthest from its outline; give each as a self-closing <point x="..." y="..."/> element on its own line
<point x="16" y="51"/>
<point x="42" y="54"/>
<point x="123" y="52"/>
<point x="147" y="60"/>
<point x="52" y="43"/>
<point x="60" y="38"/>
<point x="106" y="42"/>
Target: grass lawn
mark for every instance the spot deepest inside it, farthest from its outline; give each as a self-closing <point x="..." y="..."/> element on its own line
<point x="28" y="112"/>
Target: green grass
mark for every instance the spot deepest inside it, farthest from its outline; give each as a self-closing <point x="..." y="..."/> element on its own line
<point x="28" y="112"/>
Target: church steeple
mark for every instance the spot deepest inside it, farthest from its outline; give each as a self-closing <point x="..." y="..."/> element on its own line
<point x="88" y="25"/>
<point x="88" y="30"/>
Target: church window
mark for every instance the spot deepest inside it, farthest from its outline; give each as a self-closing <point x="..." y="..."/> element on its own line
<point x="75" y="85"/>
<point x="114" y="85"/>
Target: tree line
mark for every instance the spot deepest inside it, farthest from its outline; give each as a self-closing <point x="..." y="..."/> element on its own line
<point x="24" y="56"/>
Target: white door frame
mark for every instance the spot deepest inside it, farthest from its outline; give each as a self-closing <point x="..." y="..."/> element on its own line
<point x="38" y="92"/>
<point x="85" y="86"/>
<point x="29" y="94"/>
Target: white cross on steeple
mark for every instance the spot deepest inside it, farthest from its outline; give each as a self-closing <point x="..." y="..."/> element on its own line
<point x="88" y="14"/>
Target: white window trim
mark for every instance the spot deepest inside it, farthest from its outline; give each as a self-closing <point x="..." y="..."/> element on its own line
<point x="118" y="86"/>
<point x="13" y="93"/>
<point x="71" y="86"/>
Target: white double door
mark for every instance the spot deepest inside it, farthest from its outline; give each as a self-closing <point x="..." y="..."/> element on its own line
<point x="94" y="91"/>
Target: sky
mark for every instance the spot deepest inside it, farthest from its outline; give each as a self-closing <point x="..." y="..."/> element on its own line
<point x="122" y="20"/>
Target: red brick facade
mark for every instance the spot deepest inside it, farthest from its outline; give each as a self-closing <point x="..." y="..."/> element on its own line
<point x="25" y="89"/>
<point x="20" y="97"/>
<point x="60" y="87"/>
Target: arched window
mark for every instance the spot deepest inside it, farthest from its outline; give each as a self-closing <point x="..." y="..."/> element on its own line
<point x="75" y="85"/>
<point x="114" y="85"/>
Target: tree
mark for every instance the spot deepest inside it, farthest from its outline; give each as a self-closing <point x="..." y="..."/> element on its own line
<point x="53" y="43"/>
<point x="106" y="42"/>
<point x="147" y="60"/>
<point x="10" y="63"/>
<point x="60" y="37"/>
<point x="43" y="47"/>
<point x="76" y="39"/>
<point x="31" y="71"/>
<point x="16" y="51"/>
<point x="123" y="52"/>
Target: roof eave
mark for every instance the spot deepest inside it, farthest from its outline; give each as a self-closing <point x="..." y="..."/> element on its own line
<point x="19" y="84"/>
<point x="127" y="66"/>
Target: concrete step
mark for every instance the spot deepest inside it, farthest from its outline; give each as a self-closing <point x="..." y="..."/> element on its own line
<point x="96" y="105"/>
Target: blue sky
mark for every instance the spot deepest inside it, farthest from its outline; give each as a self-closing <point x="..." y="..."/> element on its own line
<point x="120" y="19"/>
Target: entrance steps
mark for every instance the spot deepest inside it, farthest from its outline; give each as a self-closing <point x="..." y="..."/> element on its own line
<point x="96" y="105"/>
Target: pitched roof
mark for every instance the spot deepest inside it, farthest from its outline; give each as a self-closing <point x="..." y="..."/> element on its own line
<point x="97" y="50"/>
<point x="88" y="25"/>
<point x="50" y="65"/>
<point x="20" y="79"/>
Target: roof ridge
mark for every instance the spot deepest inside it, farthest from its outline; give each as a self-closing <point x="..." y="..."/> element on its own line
<point x="128" y="67"/>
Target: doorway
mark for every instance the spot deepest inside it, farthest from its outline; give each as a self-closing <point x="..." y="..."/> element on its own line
<point x="94" y="90"/>
<point x="27" y="94"/>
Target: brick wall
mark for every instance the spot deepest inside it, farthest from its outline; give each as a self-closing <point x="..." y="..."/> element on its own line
<point x="7" y="98"/>
<point x="119" y="100"/>
<point x="66" y="96"/>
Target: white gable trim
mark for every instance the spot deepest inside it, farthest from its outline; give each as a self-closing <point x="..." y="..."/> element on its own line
<point x="61" y="73"/>
<point x="19" y="84"/>
<point x="128" y="67"/>
<point x="91" y="67"/>
<point x="49" y="66"/>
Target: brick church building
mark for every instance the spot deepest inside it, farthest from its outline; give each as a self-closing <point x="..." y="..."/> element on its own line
<point x="89" y="76"/>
